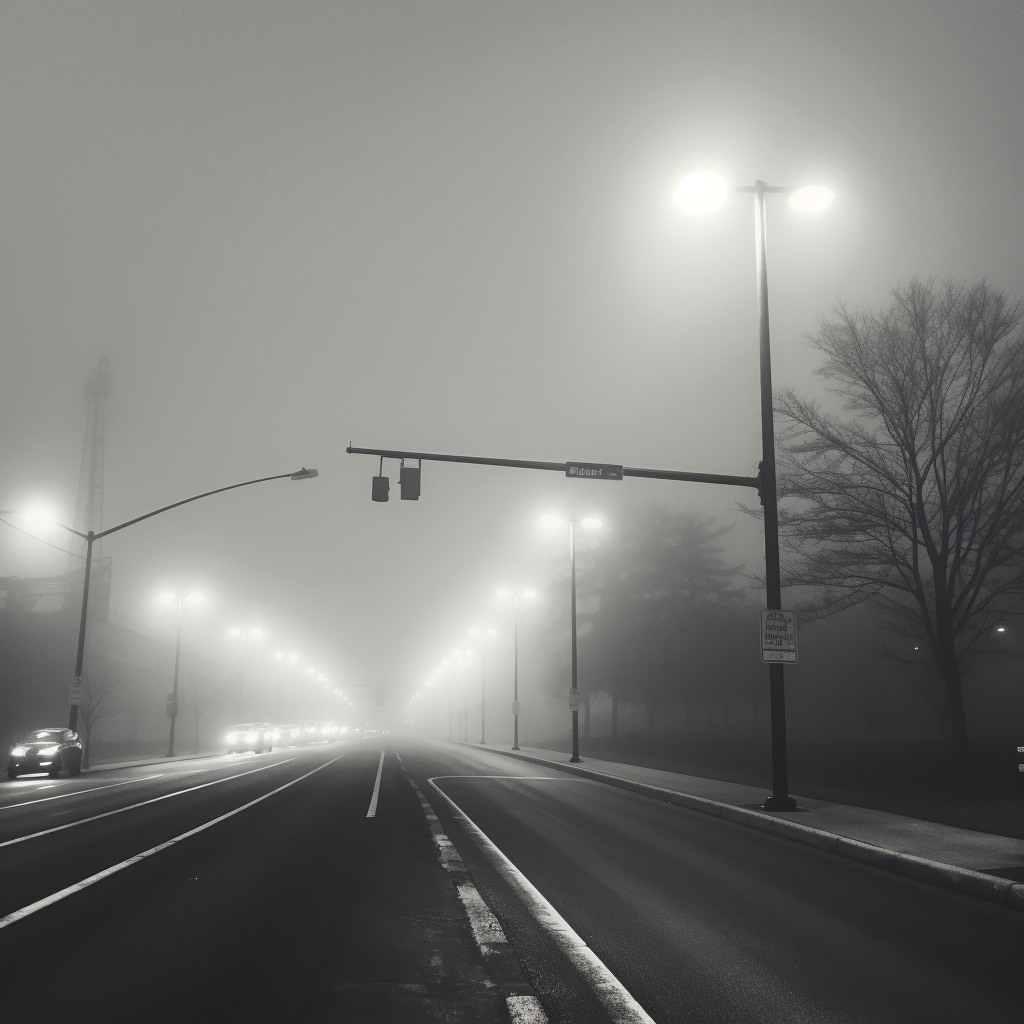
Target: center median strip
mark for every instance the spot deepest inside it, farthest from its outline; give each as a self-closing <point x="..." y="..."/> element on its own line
<point x="47" y="901"/>
<point x="141" y="803"/>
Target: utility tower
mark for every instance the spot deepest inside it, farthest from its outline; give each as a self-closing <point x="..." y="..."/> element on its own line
<point x="89" y="509"/>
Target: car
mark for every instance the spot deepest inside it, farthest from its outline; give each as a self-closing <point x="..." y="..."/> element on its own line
<point x="46" y="750"/>
<point x="308" y="733"/>
<point x="286" y="735"/>
<point x="257" y="736"/>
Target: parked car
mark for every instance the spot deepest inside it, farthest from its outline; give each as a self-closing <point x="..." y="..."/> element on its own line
<point x="308" y="733"/>
<point x="257" y="736"/>
<point x="46" y="750"/>
<point x="286" y="735"/>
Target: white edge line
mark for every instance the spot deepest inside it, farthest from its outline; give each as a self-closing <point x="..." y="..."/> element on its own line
<point x="79" y="792"/>
<point x="613" y="995"/>
<point x="141" y="803"/>
<point x="32" y="908"/>
<point x="372" y="812"/>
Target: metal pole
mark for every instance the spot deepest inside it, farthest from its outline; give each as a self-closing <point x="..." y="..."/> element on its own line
<point x="780" y="800"/>
<point x="483" y="692"/>
<point x="575" y="711"/>
<point x="241" y="681"/>
<point x="515" y="675"/>
<point x="174" y="689"/>
<point x="90" y="537"/>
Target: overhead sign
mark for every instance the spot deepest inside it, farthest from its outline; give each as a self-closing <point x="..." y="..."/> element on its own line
<point x="593" y="471"/>
<point x="778" y="637"/>
<point x="75" y="696"/>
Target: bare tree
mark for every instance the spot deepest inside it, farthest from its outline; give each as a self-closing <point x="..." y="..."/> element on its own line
<point x="917" y="502"/>
<point x="101" y="698"/>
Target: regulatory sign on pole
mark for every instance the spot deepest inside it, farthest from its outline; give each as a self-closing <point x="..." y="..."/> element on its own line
<point x="515" y="707"/>
<point x="778" y="637"/>
<point x="75" y="696"/>
<point x="575" y="700"/>
<point x="593" y="471"/>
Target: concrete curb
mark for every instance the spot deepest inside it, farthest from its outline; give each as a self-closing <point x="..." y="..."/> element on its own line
<point x="109" y="766"/>
<point x="1000" y="891"/>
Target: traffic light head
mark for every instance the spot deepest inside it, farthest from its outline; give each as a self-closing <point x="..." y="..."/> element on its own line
<point x="381" y="487"/>
<point x="409" y="483"/>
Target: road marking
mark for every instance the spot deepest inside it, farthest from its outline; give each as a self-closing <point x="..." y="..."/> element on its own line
<point x="526" y="1010"/>
<point x="47" y="901"/>
<point x="372" y="812"/>
<point x="613" y="995"/>
<point x="78" y="792"/>
<point x="142" y="803"/>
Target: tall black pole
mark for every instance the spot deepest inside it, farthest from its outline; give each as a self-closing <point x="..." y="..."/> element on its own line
<point x="483" y="691"/>
<point x="77" y="689"/>
<point x="241" y="681"/>
<point x="173" y="710"/>
<point x="575" y="710"/>
<point x="780" y="800"/>
<point x="515" y="674"/>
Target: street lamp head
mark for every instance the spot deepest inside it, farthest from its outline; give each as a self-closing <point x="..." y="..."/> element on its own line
<point x="551" y="520"/>
<point x="166" y="597"/>
<point x="591" y="524"/>
<point x="529" y="593"/>
<point x="504" y="592"/>
<point x="278" y="654"/>
<point x="293" y="657"/>
<point x="234" y="632"/>
<point x="195" y="598"/>
<point x="700" y="193"/>
<point x="255" y="631"/>
<point x="811" y="198"/>
<point x="304" y="474"/>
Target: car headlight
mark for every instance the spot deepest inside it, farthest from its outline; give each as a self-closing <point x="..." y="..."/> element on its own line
<point x="19" y="751"/>
<point x="48" y="751"/>
<point x="232" y="736"/>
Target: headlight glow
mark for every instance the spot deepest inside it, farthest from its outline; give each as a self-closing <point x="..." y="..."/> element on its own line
<point x="19" y="751"/>
<point x="48" y="751"/>
<point x="232" y="736"/>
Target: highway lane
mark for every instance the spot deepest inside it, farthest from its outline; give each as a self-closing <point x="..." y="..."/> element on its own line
<point x="704" y="920"/>
<point x="299" y="906"/>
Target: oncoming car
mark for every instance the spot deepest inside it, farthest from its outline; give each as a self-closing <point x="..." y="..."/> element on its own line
<point x="257" y="736"/>
<point x="46" y="750"/>
<point x="286" y="735"/>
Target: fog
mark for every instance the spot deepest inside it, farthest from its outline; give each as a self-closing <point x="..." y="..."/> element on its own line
<point x="448" y="227"/>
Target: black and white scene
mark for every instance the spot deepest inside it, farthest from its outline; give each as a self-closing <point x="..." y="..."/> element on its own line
<point x="512" y="512"/>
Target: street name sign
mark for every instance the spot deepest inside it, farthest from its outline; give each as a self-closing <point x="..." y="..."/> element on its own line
<point x="575" y="700"/>
<point x="778" y="637"/>
<point x="75" y="696"/>
<point x="593" y="471"/>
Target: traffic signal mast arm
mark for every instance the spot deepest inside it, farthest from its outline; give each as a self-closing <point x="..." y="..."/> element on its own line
<point x="565" y="467"/>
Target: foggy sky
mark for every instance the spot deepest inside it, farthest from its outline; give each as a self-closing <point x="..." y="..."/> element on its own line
<point x="447" y="227"/>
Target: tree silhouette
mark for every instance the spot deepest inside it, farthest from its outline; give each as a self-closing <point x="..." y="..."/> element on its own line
<point x="101" y="698"/>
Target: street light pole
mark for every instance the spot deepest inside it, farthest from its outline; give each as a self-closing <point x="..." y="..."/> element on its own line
<point x="515" y="672"/>
<point x="483" y="695"/>
<point x="575" y="687"/>
<point x="173" y="710"/>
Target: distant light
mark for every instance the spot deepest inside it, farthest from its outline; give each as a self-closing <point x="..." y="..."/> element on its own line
<point x="256" y="632"/>
<point x="550" y="520"/>
<point x="310" y="671"/>
<point x="504" y="593"/>
<point x="529" y="593"/>
<point x="235" y="632"/>
<point x="166" y="597"/>
<point x="701" y="193"/>
<point x="39" y="516"/>
<point x="475" y="631"/>
<point x="293" y="657"/>
<point x="195" y="598"/>
<point x="1000" y="629"/>
<point x="591" y="524"/>
<point x="812" y="197"/>
<point x="278" y="654"/>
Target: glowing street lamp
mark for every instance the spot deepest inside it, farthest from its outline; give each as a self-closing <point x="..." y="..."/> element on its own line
<point x="515" y="595"/>
<point x="574" y="696"/>
<point x="702" y="194"/>
<point x="172" y="701"/>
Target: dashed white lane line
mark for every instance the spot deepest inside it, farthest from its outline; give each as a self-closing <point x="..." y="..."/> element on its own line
<point x="613" y="995"/>
<point x="372" y="812"/>
<point x="142" y="803"/>
<point x="47" y="901"/>
<point x="78" y="792"/>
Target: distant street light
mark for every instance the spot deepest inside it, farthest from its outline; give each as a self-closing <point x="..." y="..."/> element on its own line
<point x="255" y="633"/>
<point x="574" y="694"/>
<point x="701" y="194"/>
<point x="172" y="704"/>
<point x="515" y="595"/>
<point x="483" y="634"/>
<point x="91" y="537"/>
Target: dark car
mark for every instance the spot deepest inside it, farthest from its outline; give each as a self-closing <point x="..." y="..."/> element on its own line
<point x="257" y="736"/>
<point x="46" y="750"/>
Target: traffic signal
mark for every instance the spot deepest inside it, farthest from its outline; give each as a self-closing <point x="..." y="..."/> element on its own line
<point x="381" y="487"/>
<point x="409" y="482"/>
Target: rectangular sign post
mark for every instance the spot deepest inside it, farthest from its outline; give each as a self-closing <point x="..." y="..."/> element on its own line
<point x="75" y="694"/>
<point x="593" y="471"/>
<point x="778" y="637"/>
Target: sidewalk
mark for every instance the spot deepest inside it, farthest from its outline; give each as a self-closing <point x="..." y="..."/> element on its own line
<point x="105" y="766"/>
<point x="986" y="866"/>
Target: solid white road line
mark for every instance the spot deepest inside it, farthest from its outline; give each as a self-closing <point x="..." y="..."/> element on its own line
<point x="372" y="812"/>
<point x="142" y="803"/>
<point x="107" y="872"/>
<point x="78" y="792"/>
<point x="525" y="1010"/>
<point x="613" y="995"/>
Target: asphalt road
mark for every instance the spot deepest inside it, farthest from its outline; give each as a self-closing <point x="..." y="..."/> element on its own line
<point x="299" y="906"/>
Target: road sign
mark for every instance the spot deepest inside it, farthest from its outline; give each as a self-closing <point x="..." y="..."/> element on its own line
<point x="515" y="707"/>
<point x="778" y="637"/>
<point x="172" y="706"/>
<point x="575" y="700"/>
<point x="593" y="471"/>
<point x="75" y="696"/>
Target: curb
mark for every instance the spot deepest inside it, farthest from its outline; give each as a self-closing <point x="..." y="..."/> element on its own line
<point x="1001" y="891"/>
<point x="108" y="766"/>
